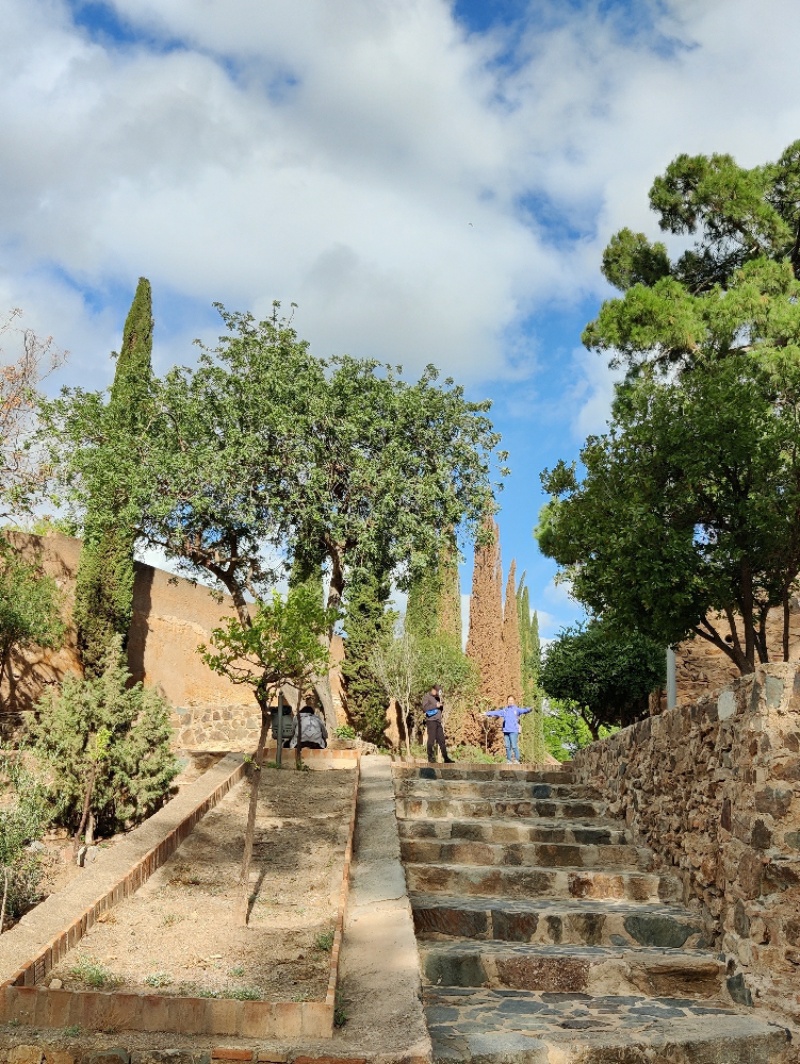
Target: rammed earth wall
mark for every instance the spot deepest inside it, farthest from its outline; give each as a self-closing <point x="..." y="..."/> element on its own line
<point x="714" y="789"/>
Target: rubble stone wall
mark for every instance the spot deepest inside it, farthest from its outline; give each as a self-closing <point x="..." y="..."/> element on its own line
<point x="714" y="789"/>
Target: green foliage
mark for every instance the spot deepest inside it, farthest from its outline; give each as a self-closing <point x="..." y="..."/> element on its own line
<point x="566" y="730"/>
<point x="115" y="735"/>
<point x="689" y="506"/>
<point x="607" y="677"/>
<point x="324" y="941"/>
<point x="368" y="623"/>
<point x="29" y="608"/>
<point x="104" y="583"/>
<point x="281" y="643"/>
<point x="345" y="731"/>
<point x="24" y="815"/>
<point x="93" y="973"/>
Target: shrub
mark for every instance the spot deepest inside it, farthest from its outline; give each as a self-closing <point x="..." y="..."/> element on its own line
<point x="22" y="821"/>
<point x="106" y="747"/>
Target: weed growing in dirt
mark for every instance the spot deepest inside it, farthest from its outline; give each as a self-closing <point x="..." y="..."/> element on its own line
<point x="324" y="941"/>
<point x="237" y="972"/>
<point x="243" y="993"/>
<point x="158" y="979"/>
<point x="92" y="973"/>
<point x="171" y="918"/>
<point x="73" y="1031"/>
<point x="340" y="1016"/>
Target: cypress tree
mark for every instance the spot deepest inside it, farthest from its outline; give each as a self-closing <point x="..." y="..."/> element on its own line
<point x="532" y="741"/>
<point x="367" y="623"/>
<point x="512" y="649"/>
<point x="434" y="599"/>
<point x="104" y="582"/>
<point x="485" y="640"/>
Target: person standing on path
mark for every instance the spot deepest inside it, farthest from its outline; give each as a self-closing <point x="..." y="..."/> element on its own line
<point x="510" y="715"/>
<point x="432" y="710"/>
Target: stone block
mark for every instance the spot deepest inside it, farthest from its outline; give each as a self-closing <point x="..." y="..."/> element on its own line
<point x="231" y="1053"/>
<point x="25" y="1055"/>
<point x="109" y="1056"/>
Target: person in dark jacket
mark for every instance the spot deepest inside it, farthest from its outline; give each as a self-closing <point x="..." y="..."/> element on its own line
<point x="432" y="710"/>
<point x="310" y="730"/>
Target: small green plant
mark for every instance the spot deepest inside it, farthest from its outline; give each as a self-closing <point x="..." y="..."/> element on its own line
<point x="73" y="1031"/>
<point x="340" y="1016"/>
<point x="171" y="918"/>
<point x="345" y="731"/>
<point x="203" y="992"/>
<point x="237" y="972"/>
<point x="94" y="974"/>
<point x="244" y="993"/>
<point x="158" y="979"/>
<point x="324" y="941"/>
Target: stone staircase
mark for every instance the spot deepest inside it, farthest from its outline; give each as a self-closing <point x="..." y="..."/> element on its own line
<point x="546" y="936"/>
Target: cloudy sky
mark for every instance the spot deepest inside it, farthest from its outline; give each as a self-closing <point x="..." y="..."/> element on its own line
<point x="429" y="181"/>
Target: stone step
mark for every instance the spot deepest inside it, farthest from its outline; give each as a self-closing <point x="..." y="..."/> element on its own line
<point x="588" y="922"/>
<point x="503" y="790"/>
<point x="481" y="772"/>
<point x="596" y="970"/>
<point x="534" y="882"/>
<point x="591" y="832"/>
<point x="462" y="808"/>
<point x="520" y="1027"/>
<point x="517" y="854"/>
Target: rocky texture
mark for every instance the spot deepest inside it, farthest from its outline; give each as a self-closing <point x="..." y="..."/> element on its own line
<point x="714" y="789"/>
<point x="543" y="936"/>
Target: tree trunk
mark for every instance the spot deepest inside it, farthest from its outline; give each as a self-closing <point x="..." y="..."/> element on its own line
<point x="87" y="805"/>
<point x="298" y="753"/>
<point x="250" y="830"/>
<point x="403" y="721"/>
<point x="786" y="622"/>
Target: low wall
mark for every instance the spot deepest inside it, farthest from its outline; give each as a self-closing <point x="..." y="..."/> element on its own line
<point x="714" y="789"/>
<point x="46" y="935"/>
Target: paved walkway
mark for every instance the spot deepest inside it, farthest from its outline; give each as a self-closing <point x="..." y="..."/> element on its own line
<point x="547" y="937"/>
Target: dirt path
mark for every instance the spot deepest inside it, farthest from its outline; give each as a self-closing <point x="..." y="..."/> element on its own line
<point x="178" y="934"/>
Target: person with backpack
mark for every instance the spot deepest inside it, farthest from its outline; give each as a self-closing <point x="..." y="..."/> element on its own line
<point x="510" y="715"/>
<point x="432" y="711"/>
<point x="309" y="731"/>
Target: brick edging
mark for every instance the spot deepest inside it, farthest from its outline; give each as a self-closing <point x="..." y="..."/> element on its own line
<point x="22" y="1000"/>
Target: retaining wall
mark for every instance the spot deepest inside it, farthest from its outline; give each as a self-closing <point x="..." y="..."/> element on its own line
<point x="714" y="789"/>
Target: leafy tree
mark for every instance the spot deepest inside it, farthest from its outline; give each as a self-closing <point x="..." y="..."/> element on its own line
<point x="21" y="471"/>
<point x="29" y="609"/>
<point x="693" y="493"/>
<point x="397" y="665"/>
<point x="391" y="464"/>
<point x="689" y="513"/>
<point x="106" y="748"/>
<point x="104" y="582"/>
<point x="279" y="644"/>
<point x="566" y="730"/>
<point x="608" y="677"/>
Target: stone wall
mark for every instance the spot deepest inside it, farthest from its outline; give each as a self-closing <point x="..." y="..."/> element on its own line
<point x="702" y="669"/>
<point x="714" y="789"/>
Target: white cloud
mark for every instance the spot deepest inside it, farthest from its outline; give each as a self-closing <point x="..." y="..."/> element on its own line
<point x="366" y="160"/>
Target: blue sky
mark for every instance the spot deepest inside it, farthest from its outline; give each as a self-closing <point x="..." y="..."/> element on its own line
<point x="427" y="180"/>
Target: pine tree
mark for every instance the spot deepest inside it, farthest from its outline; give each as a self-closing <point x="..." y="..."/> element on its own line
<point x="449" y="590"/>
<point x="104" y="583"/>
<point x="512" y="649"/>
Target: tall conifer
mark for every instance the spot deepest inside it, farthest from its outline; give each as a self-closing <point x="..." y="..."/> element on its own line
<point x="512" y="649"/>
<point x="104" y="583"/>
<point x="485" y="641"/>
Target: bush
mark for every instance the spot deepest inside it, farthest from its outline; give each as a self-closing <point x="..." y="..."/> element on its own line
<point x="22" y="821"/>
<point x="107" y="744"/>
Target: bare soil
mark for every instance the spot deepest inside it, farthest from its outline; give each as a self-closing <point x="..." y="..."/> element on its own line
<point x="179" y="933"/>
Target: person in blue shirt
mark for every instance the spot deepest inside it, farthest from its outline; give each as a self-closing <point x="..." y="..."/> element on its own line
<point x="510" y="715"/>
